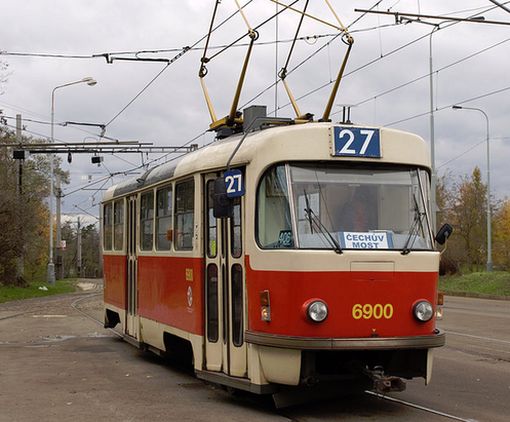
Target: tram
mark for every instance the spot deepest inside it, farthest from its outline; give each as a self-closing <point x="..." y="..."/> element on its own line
<point x="286" y="256"/>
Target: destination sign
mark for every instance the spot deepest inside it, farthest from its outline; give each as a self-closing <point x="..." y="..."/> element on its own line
<point x="363" y="240"/>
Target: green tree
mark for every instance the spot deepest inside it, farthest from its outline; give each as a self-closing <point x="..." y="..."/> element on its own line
<point x="23" y="216"/>
<point x="90" y="246"/>
<point x="468" y="215"/>
<point x="501" y="235"/>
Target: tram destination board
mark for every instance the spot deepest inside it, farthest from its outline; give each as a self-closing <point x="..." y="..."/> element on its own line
<point x="355" y="142"/>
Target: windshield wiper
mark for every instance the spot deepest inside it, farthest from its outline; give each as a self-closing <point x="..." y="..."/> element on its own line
<point x="413" y="231"/>
<point x="315" y="220"/>
<point x="307" y="202"/>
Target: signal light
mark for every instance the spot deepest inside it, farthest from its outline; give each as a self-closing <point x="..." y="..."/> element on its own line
<point x="19" y="154"/>
<point x="265" y="306"/>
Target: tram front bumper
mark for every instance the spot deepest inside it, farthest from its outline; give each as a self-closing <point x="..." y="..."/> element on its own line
<point x="365" y="343"/>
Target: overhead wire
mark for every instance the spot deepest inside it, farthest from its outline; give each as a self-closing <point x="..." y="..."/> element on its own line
<point x="468" y="100"/>
<point x="168" y="64"/>
<point x="202" y="133"/>
<point x="359" y="68"/>
<point x="472" y="147"/>
<point x="463" y="59"/>
<point x="306" y="59"/>
<point x="30" y="112"/>
<point x="179" y="49"/>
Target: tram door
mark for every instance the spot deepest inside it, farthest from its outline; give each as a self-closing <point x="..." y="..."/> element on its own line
<point x="132" y="284"/>
<point x="225" y="311"/>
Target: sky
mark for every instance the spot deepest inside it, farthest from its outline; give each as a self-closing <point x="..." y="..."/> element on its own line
<point x="386" y="78"/>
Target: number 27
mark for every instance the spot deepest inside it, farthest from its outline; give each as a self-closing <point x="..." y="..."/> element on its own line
<point x="233" y="183"/>
<point x="346" y="148"/>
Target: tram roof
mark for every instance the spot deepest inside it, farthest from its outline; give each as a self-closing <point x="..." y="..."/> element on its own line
<point x="294" y="142"/>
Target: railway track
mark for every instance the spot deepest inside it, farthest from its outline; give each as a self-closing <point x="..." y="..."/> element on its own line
<point x="419" y="407"/>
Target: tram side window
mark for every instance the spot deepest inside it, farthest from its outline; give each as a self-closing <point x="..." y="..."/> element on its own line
<point x="235" y="227"/>
<point x="184" y="215"/>
<point x="274" y="228"/>
<point x="107" y="227"/>
<point x="118" y="225"/>
<point x="237" y="305"/>
<point x="146" y="220"/>
<point x="164" y="219"/>
<point x="212" y="226"/>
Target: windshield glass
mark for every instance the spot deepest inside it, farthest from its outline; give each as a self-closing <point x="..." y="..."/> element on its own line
<point x="305" y="206"/>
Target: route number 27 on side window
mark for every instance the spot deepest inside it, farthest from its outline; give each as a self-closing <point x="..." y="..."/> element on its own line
<point x="356" y="142"/>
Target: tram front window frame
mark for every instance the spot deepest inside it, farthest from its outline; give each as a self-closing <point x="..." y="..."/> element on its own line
<point x="339" y="205"/>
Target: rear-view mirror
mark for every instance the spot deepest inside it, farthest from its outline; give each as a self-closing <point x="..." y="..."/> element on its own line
<point x="444" y="233"/>
<point x="222" y="204"/>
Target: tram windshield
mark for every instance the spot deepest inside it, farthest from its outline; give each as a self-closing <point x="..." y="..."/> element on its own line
<point x="330" y="207"/>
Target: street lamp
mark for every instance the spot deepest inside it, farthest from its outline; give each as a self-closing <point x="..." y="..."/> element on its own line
<point x="51" y="266"/>
<point x="489" y="234"/>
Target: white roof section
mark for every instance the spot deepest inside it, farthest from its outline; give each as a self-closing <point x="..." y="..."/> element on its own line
<point x="301" y="142"/>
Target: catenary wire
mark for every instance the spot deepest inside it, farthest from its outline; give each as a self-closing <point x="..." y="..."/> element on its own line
<point x="470" y="56"/>
<point x="472" y="147"/>
<point x="168" y="64"/>
<point x="468" y="100"/>
<point x="363" y="66"/>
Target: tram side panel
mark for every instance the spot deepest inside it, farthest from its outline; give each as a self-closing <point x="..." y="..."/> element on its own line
<point x="170" y="291"/>
<point x="115" y="293"/>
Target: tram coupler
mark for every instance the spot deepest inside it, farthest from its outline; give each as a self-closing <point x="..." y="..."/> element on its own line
<point x="383" y="383"/>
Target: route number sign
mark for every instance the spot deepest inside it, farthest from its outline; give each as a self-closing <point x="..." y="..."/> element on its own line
<point x="234" y="183"/>
<point x="356" y="142"/>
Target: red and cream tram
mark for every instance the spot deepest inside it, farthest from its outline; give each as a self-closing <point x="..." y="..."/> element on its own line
<point x="324" y="270"/>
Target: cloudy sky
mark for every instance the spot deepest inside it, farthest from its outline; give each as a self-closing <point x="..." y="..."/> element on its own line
<point x="386" y="77"/>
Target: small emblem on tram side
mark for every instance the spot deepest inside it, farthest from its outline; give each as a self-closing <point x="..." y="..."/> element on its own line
<point x="189" y="295"/>
<point x="189" y="274"/>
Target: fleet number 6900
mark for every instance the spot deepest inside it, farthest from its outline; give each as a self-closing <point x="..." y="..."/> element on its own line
<point x="368" y="311"/>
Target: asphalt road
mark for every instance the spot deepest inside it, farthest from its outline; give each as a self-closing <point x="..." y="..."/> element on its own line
<point x="58" y="365"/>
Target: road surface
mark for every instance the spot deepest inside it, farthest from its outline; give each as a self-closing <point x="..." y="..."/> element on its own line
<point x="57" y="364"/>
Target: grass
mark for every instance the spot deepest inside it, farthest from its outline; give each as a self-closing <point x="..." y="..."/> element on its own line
<point x="496" y="283"/>
<point x="8" y="293"/>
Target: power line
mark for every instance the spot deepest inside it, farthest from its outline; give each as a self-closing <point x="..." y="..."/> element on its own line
<point x="30" y="112"/>
<point x="136" y="53"/>
<point x="369" y="63"/>
<point x="497" y="3"/>
<point x="478" y="97"/>
<point x="390" y="90"/>
<point x="169" y="63"/>
<point x="138" y="94"/>
<point x="306" y="59"/>
<point x="472" y="147"/>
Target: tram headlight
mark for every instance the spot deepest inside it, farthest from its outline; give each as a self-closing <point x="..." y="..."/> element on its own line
<point x="316" y="310"/>
<point x="423" y="311"/>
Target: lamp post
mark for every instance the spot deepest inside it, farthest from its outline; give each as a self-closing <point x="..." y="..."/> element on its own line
<point x="433" y="181"/>
<point x="489" y="234"/>
<point x="51" y="266"/>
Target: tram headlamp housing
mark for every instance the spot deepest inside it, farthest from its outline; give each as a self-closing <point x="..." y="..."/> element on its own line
<point x="423" y="310"/>
<point x="316" y="310"/>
